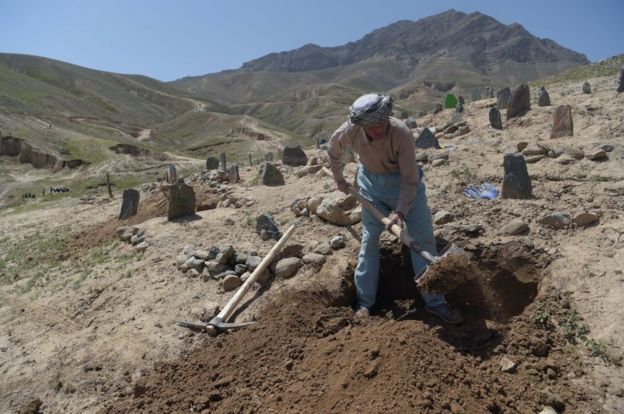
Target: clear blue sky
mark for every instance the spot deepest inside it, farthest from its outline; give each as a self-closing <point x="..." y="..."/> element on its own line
<point x="172" y="39"/>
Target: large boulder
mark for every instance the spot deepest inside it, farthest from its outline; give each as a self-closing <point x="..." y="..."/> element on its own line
<point x="520" y="102"/>
<point x="181" y="201"/>
<point x="270" y="175"/>
<point x="516" y="183"/>
<point x="339" y="209"/>
<point x="130" y="204"/>
<point x="294" y="156"/>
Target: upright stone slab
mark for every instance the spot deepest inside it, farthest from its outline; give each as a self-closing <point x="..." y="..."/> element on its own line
<point x="562" y="122"/>
<point x="495" y="118"/>
<point x="270" y="176"/>
<point x="543" y="97"/>
<point x="172" y="175"/>
<point x="516" y="183"/>
<point x="181" y="201"/>
<point x="476" y="94"/>
<point x="520" y="102"/>
<point x="489" y="92"/>
<point x="294" y="156"/>
<point x="586" y="88"/>
<point x="265" y="222"/>
<point x="459" y="108"/>
<point x="233" y="175"/>
<point x="503" y="97"/>
<point x="212" y="163"/>
<point x="223" y="161"/>
<point x="438" y="108"/>
<point x="461" y="100"/>
<point x="426" y="139"/>
<point x="621" y="85"/>
<point x="130" y="204"/>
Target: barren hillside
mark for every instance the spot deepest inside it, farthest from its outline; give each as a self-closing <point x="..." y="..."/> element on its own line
<point x="87" y="322"/>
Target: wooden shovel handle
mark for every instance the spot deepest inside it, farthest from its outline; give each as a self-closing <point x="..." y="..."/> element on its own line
<point x="395" y="229"/>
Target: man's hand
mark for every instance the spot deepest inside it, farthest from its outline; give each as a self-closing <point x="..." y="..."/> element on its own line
<point x="396" y="218"/>
<point x="343" y="186"/>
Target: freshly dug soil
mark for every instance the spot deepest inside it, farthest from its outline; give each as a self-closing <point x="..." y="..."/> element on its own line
<point x="306" y="356"/>
<point x="447" y="274"/>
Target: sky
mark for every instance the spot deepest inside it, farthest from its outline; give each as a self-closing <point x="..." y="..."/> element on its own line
<point x="168" y="40"/>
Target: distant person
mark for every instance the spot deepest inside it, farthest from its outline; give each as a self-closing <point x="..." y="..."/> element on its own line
<point x="390" y="178"/>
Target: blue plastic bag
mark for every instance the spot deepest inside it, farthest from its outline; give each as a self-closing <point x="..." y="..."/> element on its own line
<point x="486" y="191"/>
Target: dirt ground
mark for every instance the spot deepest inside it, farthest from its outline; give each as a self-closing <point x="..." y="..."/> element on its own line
<point x="88" y="325"/>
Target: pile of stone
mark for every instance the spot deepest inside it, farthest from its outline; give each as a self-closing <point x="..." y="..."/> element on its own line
<point x="563" y="154"/>
<point x="315" y="164"/>
<point x="453" y="129"/>
<point x="133" y="235"/>
<point x="231" y="268"/>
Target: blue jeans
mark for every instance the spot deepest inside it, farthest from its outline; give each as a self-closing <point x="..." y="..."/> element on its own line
<point x="383" y="191"/>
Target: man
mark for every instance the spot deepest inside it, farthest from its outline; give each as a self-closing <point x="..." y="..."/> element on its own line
<point x="390" y="178"/>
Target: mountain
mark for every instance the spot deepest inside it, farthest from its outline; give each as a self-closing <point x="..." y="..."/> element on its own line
<point x="418" y="62"/>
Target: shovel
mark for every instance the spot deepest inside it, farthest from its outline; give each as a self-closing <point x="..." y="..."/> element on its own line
<point x="219" y="323"/>
<point x="405" y="238"/>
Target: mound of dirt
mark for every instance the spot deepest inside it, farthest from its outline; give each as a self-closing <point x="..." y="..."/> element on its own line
<point x="306" y="356"/>
<point x="154" y="206"/>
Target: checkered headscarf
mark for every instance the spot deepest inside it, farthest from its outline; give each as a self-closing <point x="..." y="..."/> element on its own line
<point x="370" y="109"/>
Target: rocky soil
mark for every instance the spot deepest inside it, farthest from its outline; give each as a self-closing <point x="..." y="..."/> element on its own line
<point x="88" y="321"/>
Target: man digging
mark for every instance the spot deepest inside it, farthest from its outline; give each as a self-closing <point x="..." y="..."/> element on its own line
<point x="390" y="178"/>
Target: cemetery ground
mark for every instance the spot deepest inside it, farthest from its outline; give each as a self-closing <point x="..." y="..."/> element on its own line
<point x="87" y="322"/>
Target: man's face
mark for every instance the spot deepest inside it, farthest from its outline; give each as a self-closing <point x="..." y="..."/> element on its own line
<point x="378" y="131"/>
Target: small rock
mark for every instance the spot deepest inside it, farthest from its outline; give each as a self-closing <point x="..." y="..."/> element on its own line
<point x="521" y="145"/>
<point x="314" y="259"/>
<point x="141" y="247"/>
<point x="439" y="162"/>
<point x="548" y="410"/>
<point x="252" y="262"/>
<point x="215" y="267"/>
<point x="598" y="155"/>
<point x="443" y="217"/>
<point x="240" y="268"/>
<point x="337" y="242"/>
<point x="539" y="348"/>
<point x="516" y="226"/>
<point x="534" y="150"/>
<point x="313" y="203"/>
<point x="607" y="147"/>
<point x="288" y="267"/>
<point x="507" y="365"/>
<point x="548" y="398"/>
<point x="585" y="219"/>
<point x="566" y="160"/>
<point x="231" y="282"/>
<point x="556" y="220"/>
<point x="533" y="159"/>
<point x="322" y="248"/>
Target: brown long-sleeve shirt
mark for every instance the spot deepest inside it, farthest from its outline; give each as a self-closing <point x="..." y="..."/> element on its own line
<point x="393" y="153"/>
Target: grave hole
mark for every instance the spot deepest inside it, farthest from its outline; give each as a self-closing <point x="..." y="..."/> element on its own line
<point x="496" y="284"/>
